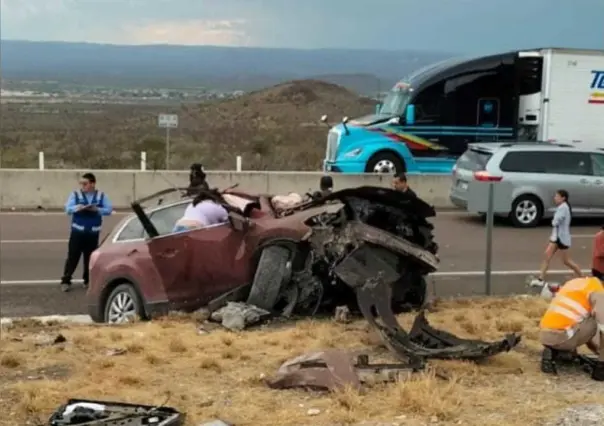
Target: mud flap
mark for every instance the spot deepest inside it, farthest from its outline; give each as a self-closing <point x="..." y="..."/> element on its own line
<point x="372" y="280"/>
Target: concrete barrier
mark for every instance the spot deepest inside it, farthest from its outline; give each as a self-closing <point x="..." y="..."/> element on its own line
<point x="30" y="189"/>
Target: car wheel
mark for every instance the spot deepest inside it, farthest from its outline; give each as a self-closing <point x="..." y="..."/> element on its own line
<point x="527" y="211"/>
<point x="123" y="305"/>
<point x="273" y="270"/>
<point x="385" y="162"/>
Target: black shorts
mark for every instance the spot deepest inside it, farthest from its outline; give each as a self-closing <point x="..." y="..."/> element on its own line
<point x="559" y="245"/>
<point x="597" y="274"/>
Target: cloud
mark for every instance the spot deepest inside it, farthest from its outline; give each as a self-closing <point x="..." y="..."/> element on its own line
<point x="445" y="25"/>
<point x="190" y="32"/>
<point x="27" y="9"/>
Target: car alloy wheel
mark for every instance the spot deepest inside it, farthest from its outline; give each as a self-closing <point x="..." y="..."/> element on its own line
<point x="122" y="308"/>
<point x="526" y="212"/>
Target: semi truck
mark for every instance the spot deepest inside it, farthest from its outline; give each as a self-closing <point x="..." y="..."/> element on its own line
<point x="427" y="120"/>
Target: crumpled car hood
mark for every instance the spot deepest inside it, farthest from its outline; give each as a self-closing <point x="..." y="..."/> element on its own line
<point x="375" y="195"/>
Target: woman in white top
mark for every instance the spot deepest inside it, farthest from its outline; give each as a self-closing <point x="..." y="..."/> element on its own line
<point x="203" y="211"/>
<point x="560" y="238"/>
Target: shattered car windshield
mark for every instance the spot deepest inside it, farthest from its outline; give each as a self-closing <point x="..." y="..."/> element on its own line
<point x="396" y="101"/>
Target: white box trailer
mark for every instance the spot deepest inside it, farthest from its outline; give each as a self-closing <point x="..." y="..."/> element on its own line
<point x="570" y="106"/>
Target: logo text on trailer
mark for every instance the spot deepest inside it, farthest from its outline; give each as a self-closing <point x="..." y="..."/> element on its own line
<point x="598" y="80"/>
<point x="597" y="84"/>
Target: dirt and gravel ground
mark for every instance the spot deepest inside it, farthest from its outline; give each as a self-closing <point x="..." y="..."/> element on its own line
<point x="219" y="374"/>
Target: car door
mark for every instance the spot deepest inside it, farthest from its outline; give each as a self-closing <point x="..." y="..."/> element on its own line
<point x="218" y="260"/>
<point x="597" y="163"/>
<point x="169" y="254"/>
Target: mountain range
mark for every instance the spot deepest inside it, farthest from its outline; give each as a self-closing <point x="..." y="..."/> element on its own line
<point x="212" y="67"/>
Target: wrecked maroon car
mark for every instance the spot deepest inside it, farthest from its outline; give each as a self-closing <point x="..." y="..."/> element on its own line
<point x="368" y="248"/>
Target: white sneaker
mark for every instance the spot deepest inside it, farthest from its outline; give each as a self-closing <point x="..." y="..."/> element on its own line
<point x="537" y="282"/>
<point x="549" y="291"/>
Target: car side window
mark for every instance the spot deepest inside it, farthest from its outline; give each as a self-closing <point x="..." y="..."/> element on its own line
<point x="568" y="163"/>
<point x="565" y="163"/>
<point x="165" y="219"/>
<point x="132" y="231"/>
<point x="523" y="162"/>
<point x="597" y="162"/>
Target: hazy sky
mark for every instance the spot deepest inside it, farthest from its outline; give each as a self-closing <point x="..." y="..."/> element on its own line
<point x="441" y="25"/>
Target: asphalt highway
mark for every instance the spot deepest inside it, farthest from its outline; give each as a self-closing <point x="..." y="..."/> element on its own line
<point x="33" y="248"/>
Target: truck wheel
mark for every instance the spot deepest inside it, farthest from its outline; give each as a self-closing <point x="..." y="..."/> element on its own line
<point x="385" y="162"/>
<point x="123" y="305"/>
<point x="272" y="272"/>
<point x="527" y="211"/>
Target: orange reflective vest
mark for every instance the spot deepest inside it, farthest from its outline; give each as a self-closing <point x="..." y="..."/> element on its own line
<point x="571" y="305"/>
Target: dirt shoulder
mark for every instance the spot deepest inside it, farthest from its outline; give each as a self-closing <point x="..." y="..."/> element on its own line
<point x="221" y="374"/>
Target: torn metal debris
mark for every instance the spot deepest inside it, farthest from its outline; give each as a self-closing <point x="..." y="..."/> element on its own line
<point x="103" y="413"/>
<point x="237" y="316"/>
<point x="336" y="369"/>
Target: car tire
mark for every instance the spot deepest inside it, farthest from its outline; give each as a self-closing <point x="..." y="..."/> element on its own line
<point x="123" y="304"/>
<point x="273" y="270"/>
<point x="389" y="159"/>
<point x="527" y="211"/>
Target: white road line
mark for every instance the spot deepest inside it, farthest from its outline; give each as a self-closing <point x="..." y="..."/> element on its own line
<point x="36" y="282"/>
<point x="500" y="273"/>
<point x="435" y="274"/>
<point x="17" y="213"/>
<point x="32" y="241"/>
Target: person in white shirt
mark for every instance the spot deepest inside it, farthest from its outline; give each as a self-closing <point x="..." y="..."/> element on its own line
<point x="203" y="211"/>
<point x="560" y="239"/>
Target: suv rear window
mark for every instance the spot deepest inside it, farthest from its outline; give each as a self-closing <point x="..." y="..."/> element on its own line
<point x="474" y="160"/>
<point x="564" y="162"/>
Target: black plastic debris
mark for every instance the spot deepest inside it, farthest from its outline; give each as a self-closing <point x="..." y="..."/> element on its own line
<point x="85" y="412"/>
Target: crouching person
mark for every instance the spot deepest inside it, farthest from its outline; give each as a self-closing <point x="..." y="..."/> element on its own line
<point x="574" y="318"/>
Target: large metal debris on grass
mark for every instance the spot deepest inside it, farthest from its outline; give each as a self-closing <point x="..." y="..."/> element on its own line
<point x="237" y="315"/>
<point x="336" y="370"/>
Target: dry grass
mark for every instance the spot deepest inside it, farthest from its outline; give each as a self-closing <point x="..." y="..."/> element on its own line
<point x="276" y="128"/>
<point x="220" y="374"/>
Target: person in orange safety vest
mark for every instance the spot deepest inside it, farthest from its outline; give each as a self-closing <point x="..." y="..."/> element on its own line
<point x="574" y="318"/>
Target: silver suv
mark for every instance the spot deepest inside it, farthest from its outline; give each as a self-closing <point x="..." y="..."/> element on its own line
<point x="536" y="170"/>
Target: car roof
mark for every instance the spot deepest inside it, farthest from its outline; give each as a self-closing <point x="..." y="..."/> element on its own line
<point x="492" y="147"/>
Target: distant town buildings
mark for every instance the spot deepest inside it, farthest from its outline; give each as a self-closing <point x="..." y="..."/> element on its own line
<point x="54" y="92"/>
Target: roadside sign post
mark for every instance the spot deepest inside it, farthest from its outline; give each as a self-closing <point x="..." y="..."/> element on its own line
<point x="489" y="196"/>
<point x="167" y="121"/>
<point x="489" y="250"/>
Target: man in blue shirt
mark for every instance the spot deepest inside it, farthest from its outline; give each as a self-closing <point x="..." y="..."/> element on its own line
<point x="86" y="208"/>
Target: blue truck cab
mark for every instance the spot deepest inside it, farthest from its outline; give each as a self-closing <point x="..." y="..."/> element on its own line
<point x="427" y="120"/>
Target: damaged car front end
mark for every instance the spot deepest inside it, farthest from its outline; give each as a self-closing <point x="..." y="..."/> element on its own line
<point x="371" y="251"/>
